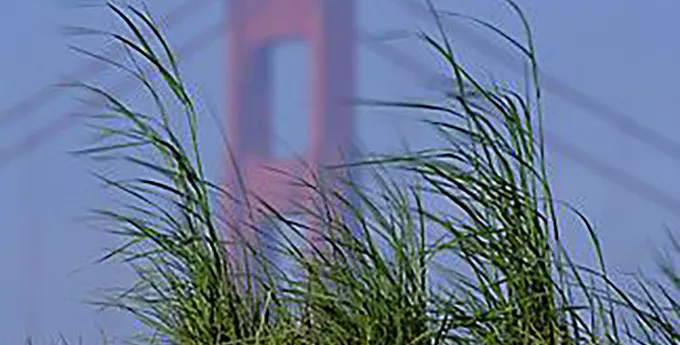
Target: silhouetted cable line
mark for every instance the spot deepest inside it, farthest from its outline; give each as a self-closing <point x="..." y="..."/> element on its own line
<point x="378" y="44"/>
<point x="602" y="111"/>
<point x="65" y="121"/>
<point x="631" y="183"/>
<point x="44" y="96"/>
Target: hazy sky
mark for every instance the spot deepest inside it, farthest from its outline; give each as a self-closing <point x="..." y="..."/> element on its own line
<point x="621" y="54"/>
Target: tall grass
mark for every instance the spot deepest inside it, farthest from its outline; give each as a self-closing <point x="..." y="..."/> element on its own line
<point x="386" y="275"/>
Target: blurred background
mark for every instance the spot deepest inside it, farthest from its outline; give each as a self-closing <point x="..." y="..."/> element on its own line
<point x="609" y="73"/>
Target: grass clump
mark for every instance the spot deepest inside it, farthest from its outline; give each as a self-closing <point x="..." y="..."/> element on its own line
<point x="385" y="275"/>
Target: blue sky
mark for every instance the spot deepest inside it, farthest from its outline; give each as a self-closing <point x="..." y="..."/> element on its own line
<point x="621" y="54"/>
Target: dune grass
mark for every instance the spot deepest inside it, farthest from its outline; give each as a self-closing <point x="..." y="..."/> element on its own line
<point x="463" y="248"/>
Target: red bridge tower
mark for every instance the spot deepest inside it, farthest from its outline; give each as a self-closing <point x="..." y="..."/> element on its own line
<point x="254" y="27"/>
